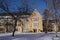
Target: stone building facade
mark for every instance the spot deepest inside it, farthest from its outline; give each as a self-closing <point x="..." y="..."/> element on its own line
<point x="26" y="23"/>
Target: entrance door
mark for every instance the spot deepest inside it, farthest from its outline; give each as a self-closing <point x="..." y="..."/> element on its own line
<point x="35" y="30"/>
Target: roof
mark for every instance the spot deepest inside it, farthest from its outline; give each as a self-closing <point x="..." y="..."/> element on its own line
<point x="7" y="14"/>
<point x="17" y="13"/>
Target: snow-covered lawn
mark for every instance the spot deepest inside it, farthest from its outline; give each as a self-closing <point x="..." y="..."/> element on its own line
<point x="30" y="36"/>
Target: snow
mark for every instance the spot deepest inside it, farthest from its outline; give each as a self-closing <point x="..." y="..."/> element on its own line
<point x="30" y="36"/>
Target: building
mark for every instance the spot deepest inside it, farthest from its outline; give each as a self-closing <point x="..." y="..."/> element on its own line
<point x="33" y="23"/>
<point x="26" y="23"/>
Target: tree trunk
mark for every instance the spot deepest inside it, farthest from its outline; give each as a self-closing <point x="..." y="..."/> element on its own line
<point x="46" y="26"/>
<point x="14" y="27"/>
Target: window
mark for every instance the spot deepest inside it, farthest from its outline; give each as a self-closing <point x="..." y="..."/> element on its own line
<point x="1" y="20"/>
<point x="16" y="29"/>
<point x="1" y="24"/>
<point x="27" y="20"/>
<point x="35" y="25"/>
<point x="19" y="24"/>
<point x="35" y="20"/>
<point x="1" y="29"/>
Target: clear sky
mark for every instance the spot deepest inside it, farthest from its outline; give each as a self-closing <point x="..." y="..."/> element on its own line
<point x="14" y="4"/>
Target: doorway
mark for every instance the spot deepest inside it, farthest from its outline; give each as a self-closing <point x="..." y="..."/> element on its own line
<point x="34" y="30"/>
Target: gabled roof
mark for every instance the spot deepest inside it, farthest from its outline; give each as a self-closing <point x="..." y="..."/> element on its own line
<point x="35" y="12"/>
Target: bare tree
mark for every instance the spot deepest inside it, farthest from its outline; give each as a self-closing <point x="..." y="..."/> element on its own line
<point x="24" y="10"/>
<point x="53" y="6"/>
<point x="46" y="19"/>
<point x="4" y="6"/>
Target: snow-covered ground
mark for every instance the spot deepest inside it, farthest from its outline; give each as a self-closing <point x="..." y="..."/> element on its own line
<point x="30" y="36"/>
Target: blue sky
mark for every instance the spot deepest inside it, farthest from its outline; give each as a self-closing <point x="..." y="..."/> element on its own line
<point x="14" y="4"/>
